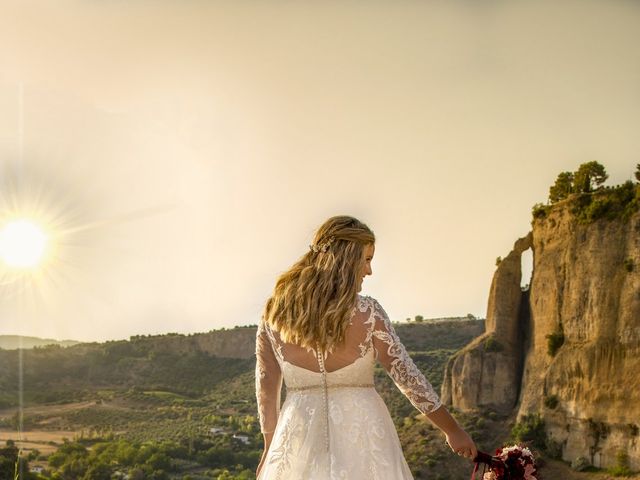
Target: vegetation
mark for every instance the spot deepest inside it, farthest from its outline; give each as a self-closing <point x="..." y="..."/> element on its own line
<point x="531" y="430"/>
<point x="146" y="409"/>
<point x="429" y="458"/>
<point x="613" y="203"/>
<point x="151" y="459"/>
<point x="589" y="176"/>
<point x="12" y="464"/>
<point x="628" y="264"/>
<point x="622" y="465"/>
<point x="540" y="210"/>
<point x="554" y="342"/>
<point x="492" y="345"/>
<point x="589" y="199"/>
<point x="551" y="401"/>
<point x="64" y="375"/>
<point x="562" y="188"/>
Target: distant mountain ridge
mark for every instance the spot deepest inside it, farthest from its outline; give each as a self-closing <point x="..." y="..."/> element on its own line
<point x="13" y="342"/>
<point x="185" y="364"/>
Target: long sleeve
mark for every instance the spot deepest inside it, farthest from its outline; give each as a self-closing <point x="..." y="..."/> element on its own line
<point x="393" y="356"/>
<point x="268" y="381"/>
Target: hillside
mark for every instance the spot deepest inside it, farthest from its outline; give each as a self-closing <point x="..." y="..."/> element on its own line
<point x="155" y="389"/>
<point x="184" y="364"/>
<point x="11" y="342"/>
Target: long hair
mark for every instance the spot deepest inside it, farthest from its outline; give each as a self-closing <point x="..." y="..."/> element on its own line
<point x="313" y="301"/>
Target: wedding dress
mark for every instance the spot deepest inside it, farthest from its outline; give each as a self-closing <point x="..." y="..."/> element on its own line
<point x="333" y="424"/>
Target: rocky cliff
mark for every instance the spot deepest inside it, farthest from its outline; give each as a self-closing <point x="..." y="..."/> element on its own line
<point x="567" y="349"/>
<point x="487" y="372"/>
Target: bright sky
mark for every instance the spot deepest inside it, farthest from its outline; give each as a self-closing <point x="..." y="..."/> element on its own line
<point x="183" y="152"/>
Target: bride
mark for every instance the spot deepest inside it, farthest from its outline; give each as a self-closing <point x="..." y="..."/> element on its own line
<point x="323" y="339"/>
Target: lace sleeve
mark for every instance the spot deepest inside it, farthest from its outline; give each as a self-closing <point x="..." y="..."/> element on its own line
<point x="268" y="381"/>
<point x="392" y="354"/>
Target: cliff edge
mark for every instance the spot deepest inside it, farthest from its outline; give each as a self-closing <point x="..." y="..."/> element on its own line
<point x="568" y="349"/>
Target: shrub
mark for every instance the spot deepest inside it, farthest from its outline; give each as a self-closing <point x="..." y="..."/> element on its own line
<point x="492" y="345"/>
<point x="540" y="210"/>
<point x="628" y="264"/>
<point x="598" y="208"/>
<point x="554" y="342"/>
<point x="580" y="464"/>
<point x="551" y="401"/>
<point x="530" y="429"/>
<point x="619" y="202"/>
<point x="553" y="449"/>
<point x="622" y="465"/>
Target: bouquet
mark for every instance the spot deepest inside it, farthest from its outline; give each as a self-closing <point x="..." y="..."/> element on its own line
<point x="509" y="463"/>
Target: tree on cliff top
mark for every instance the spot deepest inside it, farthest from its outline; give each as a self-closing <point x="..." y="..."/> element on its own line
<point x="562" y="188"/>
<point x="587" y="178"/>
<point x="590" y="175"/>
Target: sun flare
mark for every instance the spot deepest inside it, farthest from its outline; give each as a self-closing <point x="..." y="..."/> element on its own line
<point x="22" y="243"/>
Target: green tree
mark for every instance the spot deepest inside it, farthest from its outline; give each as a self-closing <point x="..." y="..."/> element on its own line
<point x="159" y="461"/>
<point x="590" y="175"/>
<point x="98" y="471"/>
<point x="562" y="188"/>
<point x="8" y="460"/>
<point x="136" y="473"/>
<point x="638" y="172"/>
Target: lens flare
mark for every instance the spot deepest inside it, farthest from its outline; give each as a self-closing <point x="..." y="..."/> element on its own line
<point x="22" y="244"/>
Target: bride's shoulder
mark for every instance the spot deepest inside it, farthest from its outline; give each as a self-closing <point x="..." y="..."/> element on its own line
<point x="365" y="302"/>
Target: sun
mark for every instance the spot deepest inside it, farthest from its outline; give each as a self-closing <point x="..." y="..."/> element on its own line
<point x="22" y="243"/>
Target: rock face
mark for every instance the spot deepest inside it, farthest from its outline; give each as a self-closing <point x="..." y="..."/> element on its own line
<point x="487" y="372"/>
<point x="585" y="296"/>
<point x="586" y="286"/>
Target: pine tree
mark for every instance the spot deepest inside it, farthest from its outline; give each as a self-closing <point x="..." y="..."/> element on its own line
<point x="562" y="188"/>
<point x="589" y="175"/>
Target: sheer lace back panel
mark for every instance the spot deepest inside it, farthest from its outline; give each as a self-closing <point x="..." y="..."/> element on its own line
<point x="370" y="335"/>
<point x="357" y="342"/>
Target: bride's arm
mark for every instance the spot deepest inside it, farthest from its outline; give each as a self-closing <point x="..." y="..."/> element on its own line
<point x="268" y="383"/>
<point x="393" y="356"/>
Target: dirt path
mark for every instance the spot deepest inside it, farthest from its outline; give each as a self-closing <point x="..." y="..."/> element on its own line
<point x="43" y="440"/>
<point x="46" y="409"/>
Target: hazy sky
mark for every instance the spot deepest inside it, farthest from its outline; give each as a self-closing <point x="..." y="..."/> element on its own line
<point x="183" y="152"/>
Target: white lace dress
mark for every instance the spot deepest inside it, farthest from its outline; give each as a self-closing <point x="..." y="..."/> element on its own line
<point x="333" y="424"/>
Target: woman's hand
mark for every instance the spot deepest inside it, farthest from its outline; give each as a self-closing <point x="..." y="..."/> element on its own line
<point x="462" y="444"/>
<point x="459" y="441"/>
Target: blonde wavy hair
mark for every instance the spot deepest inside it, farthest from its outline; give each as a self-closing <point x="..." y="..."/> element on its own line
<point x="312" y="302"/>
